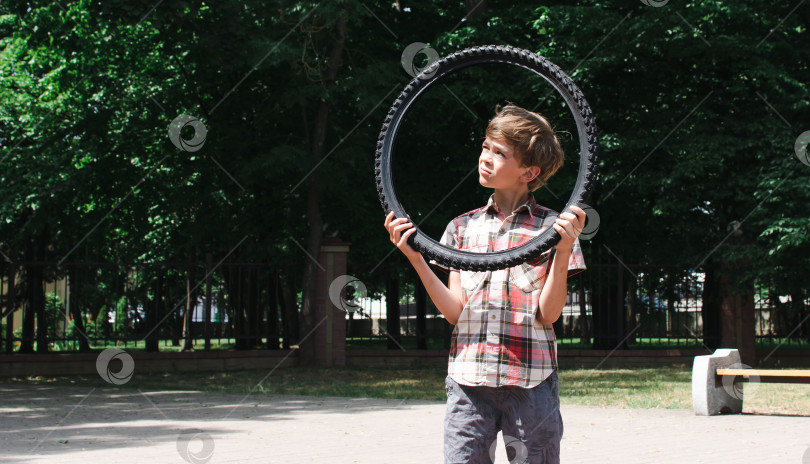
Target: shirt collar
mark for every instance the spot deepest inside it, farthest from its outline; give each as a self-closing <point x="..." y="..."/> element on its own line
<point x="528" y="205"/>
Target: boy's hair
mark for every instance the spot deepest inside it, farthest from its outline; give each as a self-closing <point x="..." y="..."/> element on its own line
<point x="532" y="138"/>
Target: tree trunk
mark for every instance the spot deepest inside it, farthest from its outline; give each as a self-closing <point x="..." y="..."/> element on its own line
<point x="153" y="316"/>
<point x="630" y="309"/>
<point x="254" y="313"/>
<point x="175" y="321"/>
<point x="235" y="285"/>
<point x="27" y="341"/>
<point x="11" y="302"/>
<point x="272" y="311"/>
<point x="799" y="317"/>
<point x="242" y="342"/>
<point x="191" y="304"/>
<point x="392" y="312"/>
<point x="584" y="336"/>
<point x="710" y="311"/>
<point x="207" y="316"/>
<point x="29" y="311"/>
<point x="737" y="312"/>
<point x="79" y="330"/>
<point x="313" y="192"/>
<point x="608" y="311"/>
<point x="289" y="316"/>
<point x="38" y="293"/>
<point x="421" y="314"/>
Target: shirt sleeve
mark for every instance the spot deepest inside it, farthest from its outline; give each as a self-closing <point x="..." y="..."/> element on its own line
<point x="449" y="239"/>
<point x="576" y="263"/>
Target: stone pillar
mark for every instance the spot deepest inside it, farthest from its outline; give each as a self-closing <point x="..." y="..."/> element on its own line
<point x="329" y="338"/>
<point x="709" y="397"/>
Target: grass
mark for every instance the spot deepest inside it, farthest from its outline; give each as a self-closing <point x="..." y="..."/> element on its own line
<point x="665" y="387"/>
<point x="392" y="383"/>
<point x="670" y="388"/>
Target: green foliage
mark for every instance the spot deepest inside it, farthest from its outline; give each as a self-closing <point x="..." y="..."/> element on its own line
<point x="689" y="98"/>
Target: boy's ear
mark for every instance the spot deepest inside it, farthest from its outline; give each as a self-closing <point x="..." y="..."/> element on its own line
<point x="530" y="173"/>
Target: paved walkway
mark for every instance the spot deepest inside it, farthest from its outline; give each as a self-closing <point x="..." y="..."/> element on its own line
<point x="82" y="425"/>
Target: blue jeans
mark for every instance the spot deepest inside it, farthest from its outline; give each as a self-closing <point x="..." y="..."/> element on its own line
<point x="529" y="418"/>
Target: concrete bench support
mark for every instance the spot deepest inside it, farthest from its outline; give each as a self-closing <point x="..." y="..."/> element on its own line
<point x="709" y="398"/>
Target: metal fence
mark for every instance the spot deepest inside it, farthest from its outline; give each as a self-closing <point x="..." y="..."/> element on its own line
<point x="154" y="306"/>
<point x="649" y="307"/>
<point x="174" y="306"/>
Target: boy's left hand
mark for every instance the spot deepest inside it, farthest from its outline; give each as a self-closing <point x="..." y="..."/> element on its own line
<point x="569" y="226"/>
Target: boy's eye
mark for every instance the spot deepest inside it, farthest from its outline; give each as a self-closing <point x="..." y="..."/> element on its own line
<point x="486" y="147"/>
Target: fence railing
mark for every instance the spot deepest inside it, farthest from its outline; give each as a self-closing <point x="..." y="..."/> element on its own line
<point x="149" y="306"/>
<point x="174" y="306"/>
<point x="649" y="307"/>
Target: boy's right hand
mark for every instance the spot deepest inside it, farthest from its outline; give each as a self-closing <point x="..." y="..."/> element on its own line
<point x="398" y="238"/>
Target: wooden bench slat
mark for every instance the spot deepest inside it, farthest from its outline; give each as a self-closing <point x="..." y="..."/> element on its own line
<point x="765" y="372"/>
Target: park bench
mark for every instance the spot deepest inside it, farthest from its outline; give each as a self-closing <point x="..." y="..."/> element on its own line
<point x="764" y="375"/>
<point x="717" y="381"/>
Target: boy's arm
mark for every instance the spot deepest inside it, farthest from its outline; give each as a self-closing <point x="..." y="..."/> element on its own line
<point x="555" y="289"/>
<point x="446" y="298"/>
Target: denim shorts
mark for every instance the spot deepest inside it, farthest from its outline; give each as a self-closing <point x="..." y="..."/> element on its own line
<point x="529" y="418"/>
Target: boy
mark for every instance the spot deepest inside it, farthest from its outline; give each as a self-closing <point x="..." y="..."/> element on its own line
<point x="502" y="371"/>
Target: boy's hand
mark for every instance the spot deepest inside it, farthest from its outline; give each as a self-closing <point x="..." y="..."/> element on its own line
<point x="398" y="238"/>
<point x="569" y="226"/>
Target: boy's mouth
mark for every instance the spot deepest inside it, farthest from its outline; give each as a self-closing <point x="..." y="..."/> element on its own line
<point x="483" y="171"/>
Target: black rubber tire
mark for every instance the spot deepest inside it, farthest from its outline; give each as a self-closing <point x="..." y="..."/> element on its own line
<point x="589" y="147"/>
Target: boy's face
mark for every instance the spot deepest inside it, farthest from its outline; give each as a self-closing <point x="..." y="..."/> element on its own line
<point x="499" y="169"/>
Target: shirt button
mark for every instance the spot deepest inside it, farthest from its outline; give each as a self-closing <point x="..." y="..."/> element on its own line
<point x="493" y="317"/>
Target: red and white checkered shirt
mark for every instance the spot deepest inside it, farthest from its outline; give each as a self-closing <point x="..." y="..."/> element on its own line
<point x="498" y="340"/>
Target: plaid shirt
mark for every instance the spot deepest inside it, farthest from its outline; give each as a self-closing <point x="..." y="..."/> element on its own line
<point x="497" y="340"/>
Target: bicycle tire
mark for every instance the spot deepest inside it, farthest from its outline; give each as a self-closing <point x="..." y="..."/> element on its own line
<point x="431" y="75"/>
